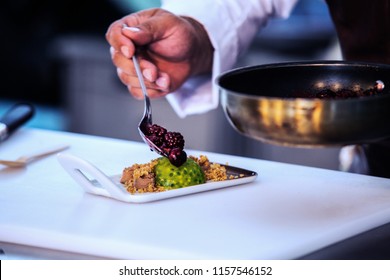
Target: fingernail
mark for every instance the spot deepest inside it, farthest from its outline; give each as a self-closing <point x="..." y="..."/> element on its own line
<point x="125" y="51"/>
<point x="148" y="74"/>
<point x="112" y="51"/>
<point x="162" y="82"/>
<point x="132" y="29"/>
<point x="119" y="71"/>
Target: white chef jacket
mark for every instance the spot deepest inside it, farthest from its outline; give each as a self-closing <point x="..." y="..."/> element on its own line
<point x="231" y="26"/>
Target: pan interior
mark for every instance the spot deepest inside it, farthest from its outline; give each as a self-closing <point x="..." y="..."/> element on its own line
<point x="286" y="80"/>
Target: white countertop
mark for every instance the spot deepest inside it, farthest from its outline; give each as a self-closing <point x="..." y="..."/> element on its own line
<point x="287" y="212"/>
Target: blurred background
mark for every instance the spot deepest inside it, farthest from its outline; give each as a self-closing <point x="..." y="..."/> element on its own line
<point x="55" y="56"/>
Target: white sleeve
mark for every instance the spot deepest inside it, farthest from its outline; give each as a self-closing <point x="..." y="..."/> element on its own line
<point x="231" y="26"/>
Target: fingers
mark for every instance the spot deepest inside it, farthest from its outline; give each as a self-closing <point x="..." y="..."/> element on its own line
<point x="156" y="82"/>
<point x="150" y="71"/>
<point x="134" y="87"/>
<point x="164" y="51"/>
<point x="118" y="41"/>
<point x="136" y="92"/>
<point x="137" y="31"/>
<point x="147" y="25"/>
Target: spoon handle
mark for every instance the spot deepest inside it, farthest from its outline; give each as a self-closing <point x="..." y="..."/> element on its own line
<point x="139" y="75"/>
<point x="148" y="109"/>
<point x="12" y="163"/>
<point x="37" y="155"/>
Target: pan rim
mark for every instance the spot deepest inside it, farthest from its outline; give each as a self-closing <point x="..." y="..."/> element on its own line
<point x="312" y="63"/>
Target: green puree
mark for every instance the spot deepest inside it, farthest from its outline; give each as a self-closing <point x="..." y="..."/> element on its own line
<point x="172" y="177"/>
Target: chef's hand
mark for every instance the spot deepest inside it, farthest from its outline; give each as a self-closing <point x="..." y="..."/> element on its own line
<point x="170" y="48"/>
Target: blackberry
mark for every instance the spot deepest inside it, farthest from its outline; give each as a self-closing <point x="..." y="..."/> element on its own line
<point x="171" y="143"/>
<point x="177" y="157"/>
<point x="156" y="140"/>
<point x="155" y="134"/>
<point x="174" y="140"/>
<point x="156" y="130"/>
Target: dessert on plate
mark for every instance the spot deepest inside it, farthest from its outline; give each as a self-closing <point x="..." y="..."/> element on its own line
<point x="174" y="170"/>
<point x="161" y="175"/>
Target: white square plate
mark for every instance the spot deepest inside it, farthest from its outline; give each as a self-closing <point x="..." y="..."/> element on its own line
<point x="110" y="186"/>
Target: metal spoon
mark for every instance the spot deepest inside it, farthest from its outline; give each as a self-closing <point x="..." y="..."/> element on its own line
<point x="24" y="160"/>
<point x="147" y="117"/>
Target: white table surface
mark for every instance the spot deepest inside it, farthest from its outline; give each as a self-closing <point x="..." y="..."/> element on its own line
<point x="287" y="212"/>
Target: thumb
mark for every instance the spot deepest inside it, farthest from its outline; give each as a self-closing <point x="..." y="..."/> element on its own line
<point x="144" y="33"/>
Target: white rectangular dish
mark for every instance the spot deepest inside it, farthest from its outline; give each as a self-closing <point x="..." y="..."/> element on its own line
<point x="94" y="181"/>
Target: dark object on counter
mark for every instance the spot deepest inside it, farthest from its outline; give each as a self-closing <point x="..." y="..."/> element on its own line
<point x="14" y="118"/>
<point x="256" y="104"/>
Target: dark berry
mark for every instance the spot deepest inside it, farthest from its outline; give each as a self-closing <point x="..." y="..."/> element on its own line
<point x="174" y="140"/>
<point x="177" y="157"/>
<point x="155" y="130"/>
<point x="165" y="149"/>
<point x="156" y="140"/>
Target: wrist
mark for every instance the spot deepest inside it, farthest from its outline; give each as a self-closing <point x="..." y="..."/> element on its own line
<point x="202" y="59"/>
